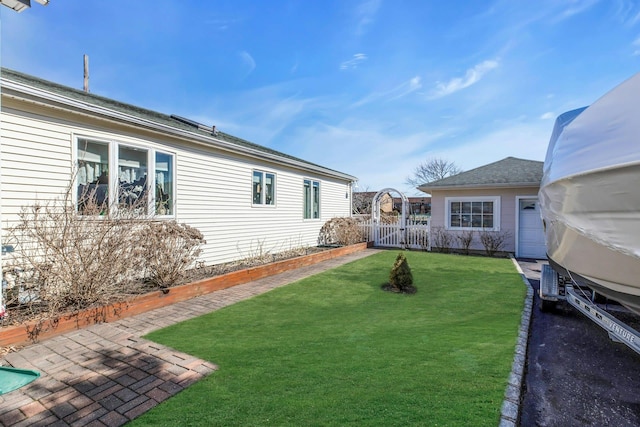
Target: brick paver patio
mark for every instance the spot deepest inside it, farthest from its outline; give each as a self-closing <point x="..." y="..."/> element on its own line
<point x="106" y="374"/>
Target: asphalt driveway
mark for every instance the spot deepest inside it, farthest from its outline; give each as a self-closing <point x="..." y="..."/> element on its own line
<point x="575" y="375"/>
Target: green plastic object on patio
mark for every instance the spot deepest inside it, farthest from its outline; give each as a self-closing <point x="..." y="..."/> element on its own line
<point x="14" y="378"/>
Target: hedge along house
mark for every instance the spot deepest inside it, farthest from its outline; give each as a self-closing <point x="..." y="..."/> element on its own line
<point x="243" y="197"/>
<point x="500" y="197"/>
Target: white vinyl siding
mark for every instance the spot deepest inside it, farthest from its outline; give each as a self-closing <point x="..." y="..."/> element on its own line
<point x="36" y="162"/>
<point x="213" y="191"/>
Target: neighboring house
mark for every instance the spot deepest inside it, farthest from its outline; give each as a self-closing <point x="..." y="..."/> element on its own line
<point x="363" y="200"/>
<point x="500" y="197"/>
<point x="418" y="206"/>
<point x="244" y="198"/>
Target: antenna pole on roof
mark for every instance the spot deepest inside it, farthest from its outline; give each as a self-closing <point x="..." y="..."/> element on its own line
<point x="86" y="73"/>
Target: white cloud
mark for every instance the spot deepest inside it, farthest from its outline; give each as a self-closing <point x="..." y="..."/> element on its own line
<point x="369" y="149"/>
<point x="248" y="62"/>
<point x="635" y="19"/>
<point x="353" y="63"/>
<point x="408" y="87"/>
<point x="259" y="115"/>
<point x="365" y="14"/>
<point x="636" y="46"/>
<point x="471" y="77"/>
<point x="548" y="115"/>
<point x="397" y="92"/>
<point x="220" y="24"/>
<point x="576" y="7"/>
<point x="522" y="140"/>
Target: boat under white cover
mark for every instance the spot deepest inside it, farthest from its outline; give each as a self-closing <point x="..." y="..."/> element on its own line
<point x="590" y="194"/>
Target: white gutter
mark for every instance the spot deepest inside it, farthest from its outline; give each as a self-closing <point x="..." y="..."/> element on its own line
<point x="86" y="107"/>
<point x="427" y="189"/>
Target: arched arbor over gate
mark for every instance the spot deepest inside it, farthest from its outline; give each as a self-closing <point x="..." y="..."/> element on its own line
<point x="387" y="235"/>
<point x="375" y="206"/>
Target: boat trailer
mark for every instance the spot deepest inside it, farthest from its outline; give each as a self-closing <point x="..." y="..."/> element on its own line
<point x="554" y="288"/>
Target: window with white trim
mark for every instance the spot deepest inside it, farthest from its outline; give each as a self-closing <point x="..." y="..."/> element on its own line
<point x="311" y="194"/>
<point x="264" y="188"/>
<point x="164" y="184"/>
<point x="113" y="175"/>
<point x="473" y="213"/>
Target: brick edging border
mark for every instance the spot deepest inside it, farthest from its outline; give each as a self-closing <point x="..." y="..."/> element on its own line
<point x="26" y="333"/>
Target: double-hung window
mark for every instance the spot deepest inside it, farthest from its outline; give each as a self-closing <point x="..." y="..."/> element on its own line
<point x="311" y="194"/>
<point x="264" y="188"/>
<point x="473" y="213"/>
<point x="113" y="175"/>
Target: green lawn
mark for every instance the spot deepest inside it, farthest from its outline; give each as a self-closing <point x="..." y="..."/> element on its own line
<point x="335" y="350"/>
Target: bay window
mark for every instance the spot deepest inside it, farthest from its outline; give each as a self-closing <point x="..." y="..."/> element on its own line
<point x="134" y="172"/>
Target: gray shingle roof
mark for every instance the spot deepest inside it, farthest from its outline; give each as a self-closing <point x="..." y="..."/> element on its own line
<point x="509" y="172"/>
<point x="142" y="113"/>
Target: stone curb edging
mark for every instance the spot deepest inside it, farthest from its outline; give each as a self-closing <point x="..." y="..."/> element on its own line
<point x="511" y="405"/>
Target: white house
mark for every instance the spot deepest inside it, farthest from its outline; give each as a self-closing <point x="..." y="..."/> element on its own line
<point x="242" y="196"/>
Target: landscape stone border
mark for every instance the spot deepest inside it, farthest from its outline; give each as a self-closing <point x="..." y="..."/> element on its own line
<point x="510" y="411"/>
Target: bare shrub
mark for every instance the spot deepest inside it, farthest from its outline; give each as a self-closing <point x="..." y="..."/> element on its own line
<point x="255" y="257"/>
<point x="170" y="249"/>
<point x="441" y="239"/>
<point x="465" y="239"/>
<point x="68" y="258"/>
<point x="71" y="261"/>
<point x="493" y="241"/>
<point x="364" y="223"/>
<point x="340" y="231"/>
<point x="389" y="217"/>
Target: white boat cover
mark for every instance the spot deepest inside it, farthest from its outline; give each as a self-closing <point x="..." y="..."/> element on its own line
<point x="590" y="190"/>
<point x="605" y="134"/>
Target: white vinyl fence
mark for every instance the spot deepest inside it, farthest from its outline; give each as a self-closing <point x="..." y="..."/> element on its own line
<point x="415" y="235"/>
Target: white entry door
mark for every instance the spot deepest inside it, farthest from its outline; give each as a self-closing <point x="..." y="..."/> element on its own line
<point x="530" y="233"/>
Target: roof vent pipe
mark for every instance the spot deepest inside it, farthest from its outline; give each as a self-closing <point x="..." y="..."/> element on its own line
<point x="86" y="73"/>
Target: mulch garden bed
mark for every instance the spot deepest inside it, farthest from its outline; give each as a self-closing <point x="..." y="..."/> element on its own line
<point x="18" y="328"/>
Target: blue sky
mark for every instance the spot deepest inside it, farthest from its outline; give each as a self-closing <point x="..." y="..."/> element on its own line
<point x="368" y="87"/>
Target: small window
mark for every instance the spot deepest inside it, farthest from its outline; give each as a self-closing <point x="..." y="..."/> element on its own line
<point x="93" y="177"/>
<point x="164" y="184"/>
<point x="527" y="205"/>
<point x="269" y="189"/>
<point x="472" y="213"/>
<point x="264" y="188"/>
<point x="311" y="194"/>
<point x="132" y="178"/>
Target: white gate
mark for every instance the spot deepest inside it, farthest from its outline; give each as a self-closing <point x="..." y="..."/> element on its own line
<point x="412" y="236"/>
<point x="402" y="233"/>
